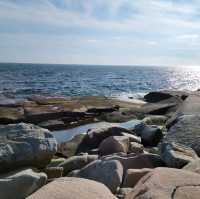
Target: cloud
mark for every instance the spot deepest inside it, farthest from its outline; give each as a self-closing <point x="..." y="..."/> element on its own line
<point x="148" y="29"/>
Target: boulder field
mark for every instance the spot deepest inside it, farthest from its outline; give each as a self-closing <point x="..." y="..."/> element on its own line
<point x="155" y="156"/>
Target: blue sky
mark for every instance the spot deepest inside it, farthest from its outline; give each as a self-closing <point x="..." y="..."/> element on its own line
<point x="121" y="32"/>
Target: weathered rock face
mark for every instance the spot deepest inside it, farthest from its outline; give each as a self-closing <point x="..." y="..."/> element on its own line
<point x="132" y="176"/>
<point x="193" y="166"/>
<point x="95" y="136"/>
<point x="77" y="162"/>
<point x="186" y="132"/>
<point x="107" y="172"/>
<point x="20" y="184"/>
<point x="138" y="162"/>
<point x="25" y="145"/>
<point x="73" y="188"/>
<point x="150" y="135"/>
<point x="167" y="183"/>
<point x="114" y="144"/>
<point x="177" y="156"/>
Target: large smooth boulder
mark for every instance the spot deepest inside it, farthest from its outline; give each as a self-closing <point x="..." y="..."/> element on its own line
<point x="167" y="183"/>
<point x="94" y="137"/>
<point x="73" y="188"/>
<point x="77" y="162"/>
<point x="186" y="131"/>
<point x="138" y="161"/>
<point x="25" y="145"/>
<point x="132" y="176"/>
<point x="176" y="155"/>
<point x="114" y="144"/>
<point x="193" y="166"/>
<point x="107" y="172"/>
<point x="20" y="184"/>
<point x="150" y="135"/>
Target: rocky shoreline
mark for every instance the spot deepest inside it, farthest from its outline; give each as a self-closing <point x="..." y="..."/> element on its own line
<point x="156" y="158"/>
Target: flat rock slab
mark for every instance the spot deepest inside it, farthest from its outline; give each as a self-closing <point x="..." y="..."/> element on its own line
<point x="73" y="188"/>
<point x="158" y="96"/>
<point x="167" y="183"/>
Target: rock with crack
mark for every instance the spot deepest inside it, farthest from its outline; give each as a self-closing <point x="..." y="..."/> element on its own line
<point x="167" y="183"/>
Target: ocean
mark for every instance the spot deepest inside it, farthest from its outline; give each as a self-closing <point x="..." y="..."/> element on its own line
<point x="22" y="80"/>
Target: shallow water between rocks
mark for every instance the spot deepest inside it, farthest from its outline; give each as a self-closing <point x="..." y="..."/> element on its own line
<point x="68" y="134"/>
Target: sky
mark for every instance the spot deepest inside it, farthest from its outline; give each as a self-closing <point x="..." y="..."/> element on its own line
<point x="114" y="32"/>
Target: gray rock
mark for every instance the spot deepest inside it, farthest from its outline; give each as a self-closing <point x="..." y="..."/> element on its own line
<point x="73" y="188"/>
<point x="177" y="156"/>
<point x="107" y="172"/>
<point x="71" y="147"/>
<point x="150" y="135"/>
<point x="25" y="145"/>
<point x="167" y="183"/>
<point x="186" y="132"/>
<point x="77" y="162"/>
<point x="20" y="184"/>
<point x="114" y="144"/>
<point x="193" y="166"/>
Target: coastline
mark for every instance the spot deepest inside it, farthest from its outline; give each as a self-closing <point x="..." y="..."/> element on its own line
<point x="141" y="138"/>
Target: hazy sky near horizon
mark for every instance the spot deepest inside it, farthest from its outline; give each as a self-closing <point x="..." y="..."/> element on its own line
<point x="146" y="32"/>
